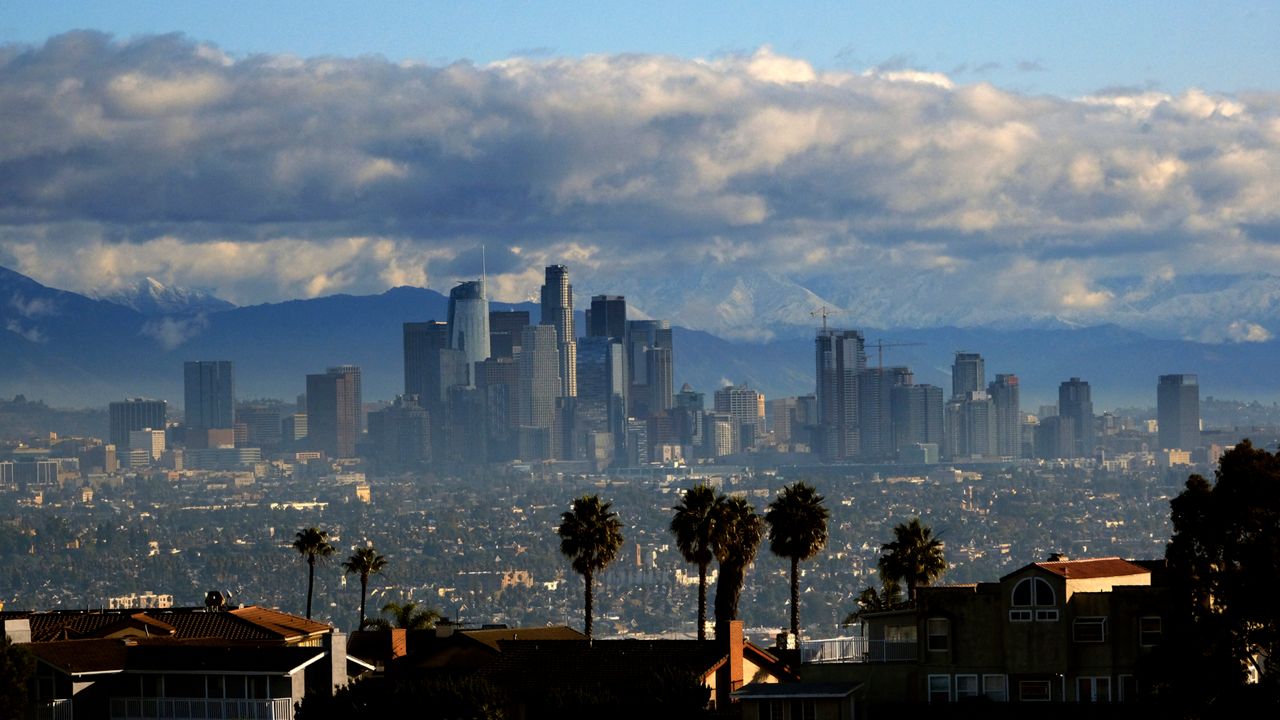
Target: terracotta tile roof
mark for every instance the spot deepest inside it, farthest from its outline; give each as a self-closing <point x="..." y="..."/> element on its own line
<point x="221" y="625"/>
<point x="529" y="666"/>
<point x="283" y="623"/>
<point x="493" y="636"/>
<point x="1093" y="568"/>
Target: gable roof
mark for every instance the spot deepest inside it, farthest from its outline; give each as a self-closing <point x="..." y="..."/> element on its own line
<point x="493" y="636"/>
<point x="251" y="623"/>
<point x="81" y="657"/>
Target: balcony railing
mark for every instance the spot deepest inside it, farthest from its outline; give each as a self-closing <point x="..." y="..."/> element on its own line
<point x="137" y="708"/>
<point x="856" y="650"/>
<point x="54" y="710"/>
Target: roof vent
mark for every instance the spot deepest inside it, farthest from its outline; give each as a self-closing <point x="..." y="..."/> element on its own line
<point x="1058" y="557"/>
<point x="215" y="601"/>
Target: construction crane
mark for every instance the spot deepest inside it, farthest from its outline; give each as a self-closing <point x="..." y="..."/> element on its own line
<point x="880" y="345"/>
<point x="823" y="312"/>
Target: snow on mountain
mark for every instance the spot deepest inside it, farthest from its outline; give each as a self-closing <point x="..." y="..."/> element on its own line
<point x="152" y="297"/>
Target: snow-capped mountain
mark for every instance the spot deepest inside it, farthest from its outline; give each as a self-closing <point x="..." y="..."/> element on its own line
<point x="152" y="297"/>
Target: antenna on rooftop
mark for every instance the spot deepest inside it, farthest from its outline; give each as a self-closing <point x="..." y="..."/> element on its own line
<point x="484" y="275"/>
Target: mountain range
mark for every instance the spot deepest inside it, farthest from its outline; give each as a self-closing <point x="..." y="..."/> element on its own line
<point x="73" y="350"/>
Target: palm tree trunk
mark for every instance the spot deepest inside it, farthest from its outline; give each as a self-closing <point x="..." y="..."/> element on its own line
<point x="586" y="576"/>
<point x="364" y="587"/>
<point x="702" y="601"/>
<point x="795" y="598"/>
<point x="311" y="581"/>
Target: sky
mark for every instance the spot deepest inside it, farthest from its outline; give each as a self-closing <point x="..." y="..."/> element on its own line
<point x="726" y="165"/>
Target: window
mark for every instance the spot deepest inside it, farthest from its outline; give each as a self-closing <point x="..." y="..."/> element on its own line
<point x="995" y="688"/>
<point x="939" y="634"/>
<point x="939" y="688"/>
<point x="1128" y="688"/>
<point x="1093" y="689"/>
<point x="1033" y="599"/>
<point x="1150" y="631"/>
<point x="1033" y="690"/>
<point x="966" y="687"/>
<point x="1089" y="629"/>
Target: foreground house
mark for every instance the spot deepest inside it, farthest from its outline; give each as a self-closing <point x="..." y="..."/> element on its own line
<point x="1055" y="631"/>
<point x="210" y="662"/>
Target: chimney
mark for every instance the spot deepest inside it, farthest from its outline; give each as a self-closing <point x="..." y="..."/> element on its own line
<point x="399" y="646"/>
<point x="730" y="676"/>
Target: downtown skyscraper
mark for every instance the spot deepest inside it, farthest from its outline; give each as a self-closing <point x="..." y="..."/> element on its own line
<point x="1178" y="412"/>
<point x="840" y="355"/>
<point x="209" y="394"/>
<point x="1075" y="406"/>
<point x="333" y="411"/>
<point x="557" y="311"/>
<point x="469" y="325"/>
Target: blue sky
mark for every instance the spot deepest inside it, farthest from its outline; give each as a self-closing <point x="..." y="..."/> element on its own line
<point x="730" y="166"/>
<point x="1061" y="48"/>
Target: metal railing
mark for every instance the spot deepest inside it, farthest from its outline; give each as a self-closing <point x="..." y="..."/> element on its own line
<point x="139" y="708"/>
<point x="54" y="710"/>
<point x="856" y="650"/>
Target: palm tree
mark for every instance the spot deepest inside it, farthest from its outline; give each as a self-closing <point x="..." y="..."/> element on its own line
<point x="737" y="538"/>
<point x="914" y="557"/>
<point x="591" y="535"/>
<point x="694" y="525"/>
<point x="406" y="616"/>
<point x="364" y="562"/>
<point x="312" y="543"/>
<point x="797" y="531"/>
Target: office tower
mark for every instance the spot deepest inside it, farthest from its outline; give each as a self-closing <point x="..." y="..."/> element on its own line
<point x="1004" y="395"/>
<point x="430" y="366"/>
<point x="209" y="394"/>
<point x="917" y="416"/>
<point x="602" y="382"/>
<point x="400" y="435"/>
<point x="333" y="411"/>
<point x="557" y="311"/>
<point x="688" y="415"/>
<point x="969" y="426"/>
<point x="148" y="440"/>
<point x="1076" y="406"/>
<point x="779" y="418"/>
<point x="968" y="374"/>
<point x="1054" y="438"/>
<point x="875" y="416"/>
<point x="745" y="406"/>
<point x="469" y="324"/>
<point x="505" y="327"/>
<point x="1178" y="412"/>
<point x="135" y="414"/>
<point x="261" y="422"/>
<point x="840" y="356"/>
<point x="539" y="376"/>
<point x="498" y="382"/>
<point x="607" y="316"/>
<point x="650" y="366"/>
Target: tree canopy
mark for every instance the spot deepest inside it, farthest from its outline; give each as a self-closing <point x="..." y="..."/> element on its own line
<point x="797" y="521"/>
<point x="313" y="544"/>
<point x="914" y="557"/>
<point x="1223" y="559"/>
<point x="590" y="536"/>
<point x="694" y="527"/>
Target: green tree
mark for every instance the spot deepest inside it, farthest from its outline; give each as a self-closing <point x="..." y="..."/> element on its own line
<point x="590" y="535"/>
<point x="869" y="600"/>
<point x="405" y="616"/>
<point x="364" y="562"/>
<point x="16" y="667"/>
<point x="914" y="557"/>
<point x="1223" y="559"/>
<point x="694" y="526"/>
<point x="739" y="530"/>
<point x="797" y="531"/>
<point x="312" y="543"/>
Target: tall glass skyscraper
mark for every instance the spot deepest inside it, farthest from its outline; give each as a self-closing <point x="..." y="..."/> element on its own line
<point x="209" y="394"/>
<point x="557" y="311"/>
<point x="840" y="356"/>
<point x="1075" y="405"/>
<point x="469" y="324"/>
<point x="1178" y="412"/>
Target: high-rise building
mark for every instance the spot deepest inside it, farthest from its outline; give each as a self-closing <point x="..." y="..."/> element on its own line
<point x="745" y="406"/>
<point x="1178" y="412"/>
<point x="261" y="421"/>
<point x="333" y="411"/>
<point x="557" y="311"/>
<point x="209" y="394"/>
<point x="430" y="366"/>
<point x="539" y="377"/>
<point x="1004" y="395"/>
<point x="400" y="435"/>
<point x="135" y="414"/>
<point x="607" y="316"/>
<point x="970" y="426"/>
<point x="917" y="416"/>
<point x="875" y="410"/>
<point x="505" y="327"/>
<point x="1076" y="406"/>
<point x="968" y="374"/>
<point x="650" y="367"/>
<point x="469" y="324"/>
<point x="840" y="356"/>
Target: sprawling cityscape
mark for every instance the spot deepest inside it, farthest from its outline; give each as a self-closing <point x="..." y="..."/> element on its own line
<point x="738" y="361"/>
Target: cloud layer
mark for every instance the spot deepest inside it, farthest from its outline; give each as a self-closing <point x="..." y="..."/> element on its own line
<point x="899" y="196"/>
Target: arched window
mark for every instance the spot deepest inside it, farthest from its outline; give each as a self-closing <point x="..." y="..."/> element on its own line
<point x="1033" y="599"/>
